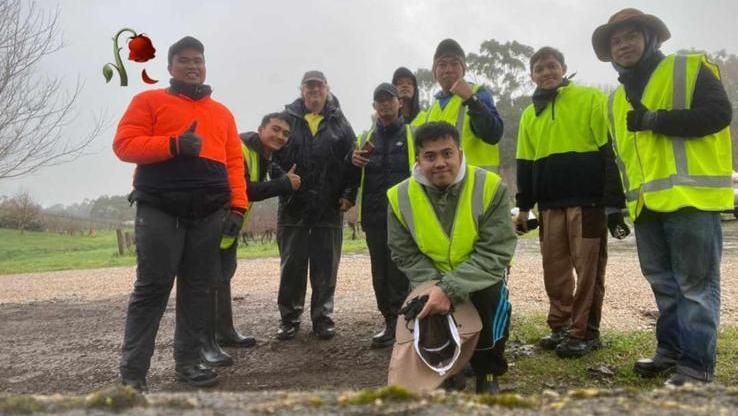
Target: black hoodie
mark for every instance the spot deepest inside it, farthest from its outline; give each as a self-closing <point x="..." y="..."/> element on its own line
<point x="259" y="188"/>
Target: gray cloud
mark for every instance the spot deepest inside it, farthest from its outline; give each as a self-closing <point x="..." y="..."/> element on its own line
<point x="256" y="52"/>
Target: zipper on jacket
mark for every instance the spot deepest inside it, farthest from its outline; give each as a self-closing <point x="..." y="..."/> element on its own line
<point x="553" y="109"/>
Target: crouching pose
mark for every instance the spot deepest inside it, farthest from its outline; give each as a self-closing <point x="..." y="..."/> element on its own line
<point x="451" y="222"/>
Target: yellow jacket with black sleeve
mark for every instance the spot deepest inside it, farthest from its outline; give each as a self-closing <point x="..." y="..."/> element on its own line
<point x="564" y="153"/>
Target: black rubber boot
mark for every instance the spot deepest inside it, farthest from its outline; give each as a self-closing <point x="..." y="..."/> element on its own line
<point x="386" y="338"/>
<point x="210" y="351"/>
<point x="226" y="335"/>
<point x="487" y="384"/>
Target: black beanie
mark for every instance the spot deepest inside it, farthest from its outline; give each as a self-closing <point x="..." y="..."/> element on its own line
<point x="403" y="72"/>
<point x="449" y="47"/>
<point x="187" y="42"/>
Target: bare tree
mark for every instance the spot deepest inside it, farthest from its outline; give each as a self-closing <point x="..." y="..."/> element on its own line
<point x="426" y="86"/>
<point x="34" y="109"/>
<point x="20" y="211"/>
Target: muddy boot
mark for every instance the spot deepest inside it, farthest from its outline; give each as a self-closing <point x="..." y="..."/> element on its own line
<point x="226" y="334"/>
<point x="385" y="338"/>
<point x="210" y="351"/>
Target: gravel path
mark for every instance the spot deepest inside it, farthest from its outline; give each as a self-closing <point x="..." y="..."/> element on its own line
<point x="61" y="331"/>
<point x="628" y="305"/>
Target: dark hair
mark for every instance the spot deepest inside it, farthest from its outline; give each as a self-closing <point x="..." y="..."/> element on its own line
<point x="544" y="52"/>
<point x="282" y="115"/>
<point x="403" y="72"/>
<point x="187" y="42"/>
<point x="435" y="130"/>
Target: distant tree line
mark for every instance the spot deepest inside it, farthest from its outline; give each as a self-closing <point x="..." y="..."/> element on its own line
<point x="21" y="212"/>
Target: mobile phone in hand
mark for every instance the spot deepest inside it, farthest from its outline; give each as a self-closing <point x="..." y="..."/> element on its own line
<point x="532" y="224"/>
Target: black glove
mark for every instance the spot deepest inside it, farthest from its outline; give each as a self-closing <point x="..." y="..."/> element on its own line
<point x="617" y="226"/>
<point x="187" y="144"/>
<point x="413" y="307"/>
<point x="231" y="229"/>
<point x="641" y="119"/>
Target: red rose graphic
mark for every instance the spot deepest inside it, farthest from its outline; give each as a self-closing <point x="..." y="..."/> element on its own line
<point x="141" y="48"/>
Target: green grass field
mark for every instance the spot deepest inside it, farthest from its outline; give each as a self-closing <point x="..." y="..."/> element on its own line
<point x="38" y="252"/>
<point x="544" y="370"/>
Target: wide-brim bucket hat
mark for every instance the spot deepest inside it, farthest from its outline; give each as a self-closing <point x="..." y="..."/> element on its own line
<point x="601" y="35"/>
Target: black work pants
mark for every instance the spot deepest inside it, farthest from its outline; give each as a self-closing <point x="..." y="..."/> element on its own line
<point x="317" y="249"/>
<point x="494" y="310"/>
<point x="228" y="264"/>
<point x="390" y="284"/>
<point x="168" y="246"/>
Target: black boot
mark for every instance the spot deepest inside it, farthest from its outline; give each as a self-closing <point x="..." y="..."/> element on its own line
<point x="210" y="351"/>
<point x="487" y="384"/>
<point x="385" y="338"/>
<point x="226" y="334"/>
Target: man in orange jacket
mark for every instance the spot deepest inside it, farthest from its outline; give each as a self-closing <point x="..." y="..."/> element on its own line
<point x="189" y="190"/>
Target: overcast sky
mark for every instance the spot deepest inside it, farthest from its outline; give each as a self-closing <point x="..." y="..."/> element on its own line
<point x="256" y="52"/>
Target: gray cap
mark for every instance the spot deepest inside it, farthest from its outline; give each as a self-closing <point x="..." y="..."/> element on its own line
<point x="314" y="76"/>
<point x="385" y="88"/>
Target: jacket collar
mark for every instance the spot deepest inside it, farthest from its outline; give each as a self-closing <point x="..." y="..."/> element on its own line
<point x="541" y="98"/>
<point x="297" y="108"/>
<point x="253" y="142"/>
<point x="192" y="91"/>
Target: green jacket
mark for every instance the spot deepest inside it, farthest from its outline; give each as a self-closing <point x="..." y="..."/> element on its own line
<point x="485" y="267"/>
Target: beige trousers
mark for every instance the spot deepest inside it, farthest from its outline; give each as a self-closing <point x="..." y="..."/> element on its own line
<point x="574" y="240"/>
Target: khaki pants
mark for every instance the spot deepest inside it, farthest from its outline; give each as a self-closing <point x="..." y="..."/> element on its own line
<point x="574" y="239"/>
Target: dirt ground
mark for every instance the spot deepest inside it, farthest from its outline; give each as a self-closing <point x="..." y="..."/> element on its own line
<point x="61" y="332"/>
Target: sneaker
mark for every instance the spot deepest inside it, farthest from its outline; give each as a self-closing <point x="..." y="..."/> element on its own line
<point x="324" y="331"/>
<point x="487" y="384"/>
<point x="573" y="348"/>
<point x="595" y="343"/>
<point x="386" y="337"/>
<point x="383" y="340"/>
<point x="678" y="380"/>
<point x="197" y="375"/>
<point x="551" y="341"/>
<point x="654" y="367"/>
<point x="287" y="331"/>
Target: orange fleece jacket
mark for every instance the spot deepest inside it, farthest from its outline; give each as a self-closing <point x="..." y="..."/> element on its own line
<point x="156" y="115"/>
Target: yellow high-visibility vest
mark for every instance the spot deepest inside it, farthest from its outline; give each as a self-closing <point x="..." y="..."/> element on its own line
<point x="665" y="173"/>
<point x="414" y="211"/>
<point x="251" y="159"/>
<point x="477" y="151"/>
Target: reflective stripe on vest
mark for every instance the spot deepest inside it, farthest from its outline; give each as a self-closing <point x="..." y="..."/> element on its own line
<point x="251" y="159"/>
<point x="477" y="151"/>
<point x="410" y="160"/>
<point x="667" y="173"/>
<point x="413" y="209"/>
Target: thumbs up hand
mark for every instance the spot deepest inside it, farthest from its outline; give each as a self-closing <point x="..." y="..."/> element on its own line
<point x="294" y="178"/>
<point x="187" y="143"/>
